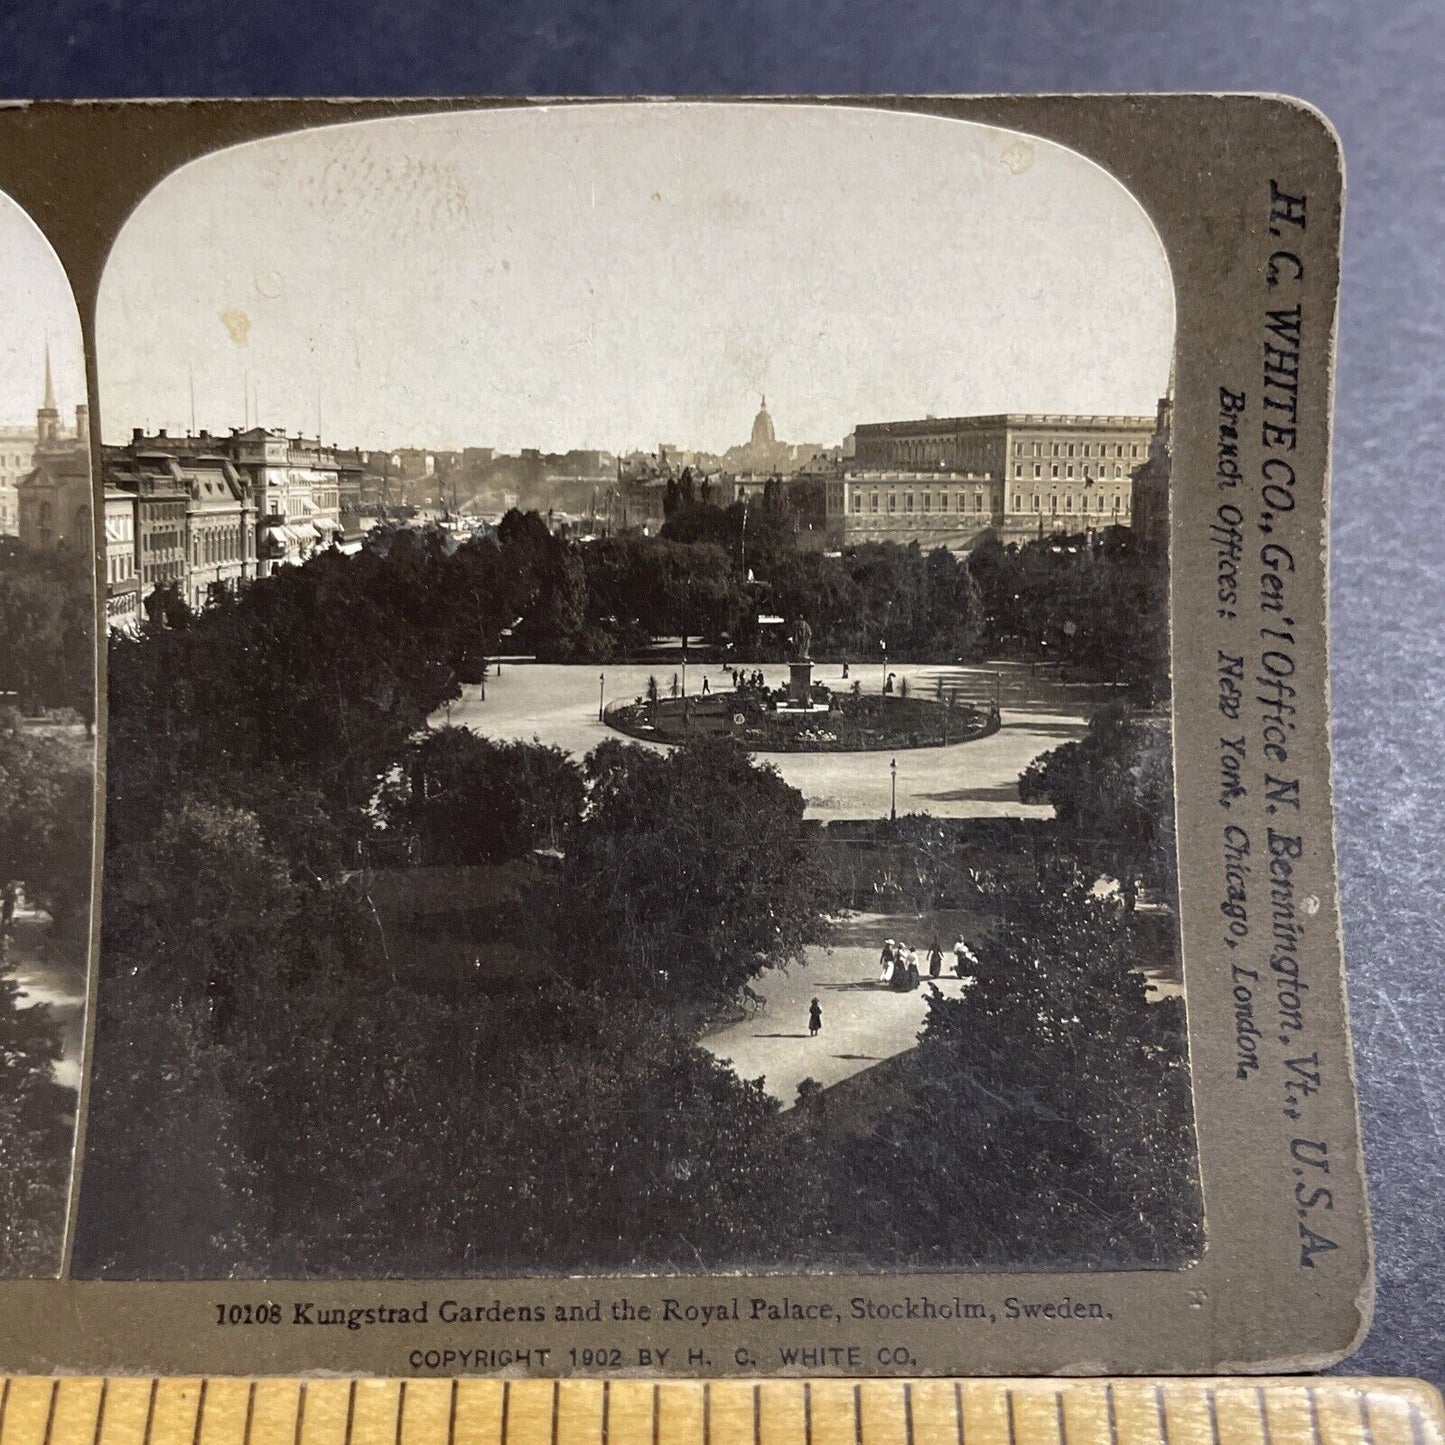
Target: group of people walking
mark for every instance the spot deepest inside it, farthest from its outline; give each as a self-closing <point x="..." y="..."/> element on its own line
<point x="742" y="681"/>
<point x="902" y="972"/>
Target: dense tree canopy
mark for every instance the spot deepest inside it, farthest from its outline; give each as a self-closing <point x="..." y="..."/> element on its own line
<point x="318" y="676"/>
<point x="1113" y="796"/>
<point x="262" y="1043"/>
<point x="1097" y="602"/>
<point x="1049" y="1119"/>
<point x="259" y="1051"/>
<point x="47" y="655"/>
<point x="690" y="873"/>
<point x="466" y="799"/>
<point x="47" y="783"/>
<point x="34" y="1136"/>
<point x="643" y="587"/>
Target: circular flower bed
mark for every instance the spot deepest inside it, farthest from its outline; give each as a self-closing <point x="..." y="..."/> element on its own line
<point x="765" y="722"/>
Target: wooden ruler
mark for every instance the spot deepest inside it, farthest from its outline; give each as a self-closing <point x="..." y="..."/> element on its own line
<point x="146" y="1411"/>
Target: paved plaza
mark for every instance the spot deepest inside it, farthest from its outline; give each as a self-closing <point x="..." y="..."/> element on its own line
<point x="864" y="1022"/>
<point x="558" y="704"/>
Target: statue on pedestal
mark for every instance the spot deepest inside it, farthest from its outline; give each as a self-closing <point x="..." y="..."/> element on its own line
<point x="803" y="642"/>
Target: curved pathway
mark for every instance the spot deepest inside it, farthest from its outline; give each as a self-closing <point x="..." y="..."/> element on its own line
<point x="558" y="704"/>
<point x="863" y="1022"/>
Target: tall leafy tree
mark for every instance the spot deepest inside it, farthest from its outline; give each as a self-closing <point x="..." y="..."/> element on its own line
<point x="47" y="785"/>
<point x="467" y="799"/>
<point x="1113" y="797"/>
<point x="692" y="872"/>
<point x="1049" y="1120"/>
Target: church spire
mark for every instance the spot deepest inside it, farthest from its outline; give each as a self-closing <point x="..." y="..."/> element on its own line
<point x="47" y="418"/>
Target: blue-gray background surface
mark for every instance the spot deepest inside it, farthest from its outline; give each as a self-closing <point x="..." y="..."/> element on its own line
<point x="1376" y="69"/>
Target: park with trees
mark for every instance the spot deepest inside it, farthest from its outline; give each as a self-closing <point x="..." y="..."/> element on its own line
<point x="47" y="783"/>
<point x="266" y="1038"/>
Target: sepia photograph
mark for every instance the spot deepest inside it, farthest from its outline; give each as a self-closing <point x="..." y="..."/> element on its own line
<point x="638" y="730"/>
<point x="47" y="741"/>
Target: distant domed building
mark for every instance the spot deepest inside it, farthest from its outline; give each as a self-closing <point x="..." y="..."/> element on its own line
<point x="763" y="433"/>
<point x="763" y="452"/>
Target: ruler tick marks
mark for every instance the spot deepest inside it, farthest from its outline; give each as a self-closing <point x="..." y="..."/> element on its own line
<point x="656" y="1416"/>
<point x="958" y="1409"/>
<point x="300" y="1411"/>
<point x="807" y="1413"/>
<point x="150" y="1411"/>
<point x="1417" y="1424"/>
<point x="1111" y="1414"/>
<point x="400" y="1409"/>
<point x="506" y="1409"/>
<point x="1366" y="1424"/>
<point x="50" y="1411"/>
<point x="452" y="1414"/>
<point x="1212" y="1403"/>
<point x="350" y="1411"/>
<point x="607" y="1412"/>
<point x="1012" y="1432"/>
<point x="1160" y="1416"/>
<point x="1262" y="1405"/>
<point x="200" y="1413"/>
<point x="857" y="1415"/>
<point x="250" y="1413"/>
<point x="1059" y="1416"/>
<point x="557" y="1406"/>
<point x="757" y="1415"/>
<point x="908" y="1412"/>
<point x="1315" y="1436"/>
<point x="706" y="1414"/>
<point x="99" y="1409"/>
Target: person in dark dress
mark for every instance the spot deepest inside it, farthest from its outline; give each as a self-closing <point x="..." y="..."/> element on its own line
<point x="815" y="1018"/>
<point x="935" y="960"/>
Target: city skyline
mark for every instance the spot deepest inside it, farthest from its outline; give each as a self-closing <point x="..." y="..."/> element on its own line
<point x="39" y="311"/>
<point x="611" y="277"/>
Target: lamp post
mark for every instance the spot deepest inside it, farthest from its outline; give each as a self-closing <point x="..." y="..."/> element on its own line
<point x="883" y="644"/>
<point x="601" y="693"/>
<point x="893" y="800"/>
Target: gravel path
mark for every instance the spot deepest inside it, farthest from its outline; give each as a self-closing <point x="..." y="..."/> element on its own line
<point x="558" y="704"/>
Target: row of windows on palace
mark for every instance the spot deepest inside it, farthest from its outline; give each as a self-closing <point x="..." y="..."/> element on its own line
<point x="1123" y="456"/>
<point x="1086" y="449"/>
<point x="1088" y="475"/>
<point x="889" y="501"/>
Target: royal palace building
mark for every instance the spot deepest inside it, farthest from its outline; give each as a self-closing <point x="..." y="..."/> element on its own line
<point x="1026" y="474"/>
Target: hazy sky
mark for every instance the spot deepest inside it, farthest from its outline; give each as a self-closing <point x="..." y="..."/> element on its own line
<point x="35" y="305"/>
<point x="619" y="275"/>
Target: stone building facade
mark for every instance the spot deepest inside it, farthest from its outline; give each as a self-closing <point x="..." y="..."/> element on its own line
<point x="17" y="456"/>
<point x="292" y="484"/>
<point x="52" y="505"/>
<point x="220" y="527"/>
<point x="934" y="508"/>
<point x="1151" y="485"/>
<point x="1055" y="472"/>
<point x="161" y="501"/>
<point x="122" y="585"/>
